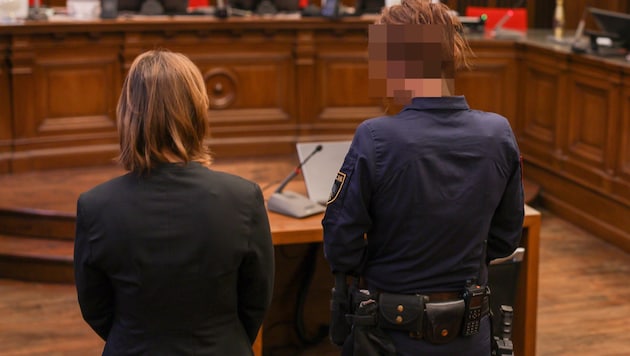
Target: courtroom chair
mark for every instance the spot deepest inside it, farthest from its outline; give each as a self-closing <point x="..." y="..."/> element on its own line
<point x="503" y="282"/>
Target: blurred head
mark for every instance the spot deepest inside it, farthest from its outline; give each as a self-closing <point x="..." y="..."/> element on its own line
<point x="414" y="48"/>
<point x="162" y="112"/>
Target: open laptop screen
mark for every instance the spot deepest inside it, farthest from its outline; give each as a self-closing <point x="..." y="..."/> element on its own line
<point x="320" y="171"/>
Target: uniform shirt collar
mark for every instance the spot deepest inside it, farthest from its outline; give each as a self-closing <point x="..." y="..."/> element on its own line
<point x="440" y="102"/>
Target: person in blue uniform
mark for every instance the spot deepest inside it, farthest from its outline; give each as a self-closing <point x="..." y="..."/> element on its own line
<point x="427" y="197"/>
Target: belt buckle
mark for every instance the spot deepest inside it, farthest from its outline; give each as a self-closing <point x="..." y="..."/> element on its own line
<point x="417" y="335"/>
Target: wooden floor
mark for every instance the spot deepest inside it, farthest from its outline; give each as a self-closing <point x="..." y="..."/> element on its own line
<point x="584" y="297"/>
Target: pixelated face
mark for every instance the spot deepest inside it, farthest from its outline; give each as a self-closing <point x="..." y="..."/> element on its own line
<point x="410" y="60"/>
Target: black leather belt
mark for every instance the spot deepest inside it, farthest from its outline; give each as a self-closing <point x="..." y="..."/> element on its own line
<point x="442" y="297"/>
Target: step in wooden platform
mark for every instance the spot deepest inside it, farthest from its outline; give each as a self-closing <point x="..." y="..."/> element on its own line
<point x="38" y="212"/>
<point x="36" y="259"/>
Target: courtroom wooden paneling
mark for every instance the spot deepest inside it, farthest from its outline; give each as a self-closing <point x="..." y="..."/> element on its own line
<point x="340" y="99"/>
<point x="249" y="75"/>
<point x="543" y="115"/>
<point x="571" y="135"/>
<point x="6" y="130"/>
<point x="491" y="84"/>
<point x="271" y="83"/>
<point x="592" y="133"/>
<point x="64" y="98"/>
<point x="582" y="175"/>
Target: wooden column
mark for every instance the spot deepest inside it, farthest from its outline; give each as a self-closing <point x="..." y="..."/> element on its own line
<point x="305" y="57"/>
<point x="6" y="120"/>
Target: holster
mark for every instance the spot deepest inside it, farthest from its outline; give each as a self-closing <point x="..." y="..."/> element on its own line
<point x="443" y="321"/>
<point x="401" y="312"/>
<point x="339" y="328"/>
<point x="367" y="338"/>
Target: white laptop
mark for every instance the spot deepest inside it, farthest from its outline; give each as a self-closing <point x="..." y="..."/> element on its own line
<point x="321" y="169"/>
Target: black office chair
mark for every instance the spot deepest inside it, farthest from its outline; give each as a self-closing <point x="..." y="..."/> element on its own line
<point x="503" y="281"/>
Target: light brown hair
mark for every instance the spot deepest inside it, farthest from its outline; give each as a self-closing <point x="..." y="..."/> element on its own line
<point x="162" y="112"/>
<point x="424" y="12"/>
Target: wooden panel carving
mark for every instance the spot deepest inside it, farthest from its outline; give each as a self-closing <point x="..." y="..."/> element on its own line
<point x="65" y="88"/>
<point x="249" y="75"/>
<point x="489" y="85"/>
<point x="341" y="99"/>
<point x="250" y="92"/>
<point x="590" y="138"/>
<point x="543" y="115"/>
<point x="344" y="89"/>
<point x="6" y="130"/>
<point x="75" y="95"/>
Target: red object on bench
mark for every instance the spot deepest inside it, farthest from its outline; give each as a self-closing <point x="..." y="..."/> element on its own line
<point x="518" y="21"/>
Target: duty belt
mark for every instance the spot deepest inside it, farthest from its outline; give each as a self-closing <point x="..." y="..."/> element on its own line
<point x="435" y="317"/>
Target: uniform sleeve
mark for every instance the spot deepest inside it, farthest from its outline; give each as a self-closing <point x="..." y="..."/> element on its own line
<point x="347" y="218"/>
<point x="94" y="289"/>
<point x="256" y="273"/>
<point x="507" y="223"/>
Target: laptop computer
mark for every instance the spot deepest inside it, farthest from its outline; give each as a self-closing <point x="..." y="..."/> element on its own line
<point x="321" y="169"/>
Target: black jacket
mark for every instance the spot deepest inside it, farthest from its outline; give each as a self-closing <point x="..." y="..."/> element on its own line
<point x="179" y="262"/>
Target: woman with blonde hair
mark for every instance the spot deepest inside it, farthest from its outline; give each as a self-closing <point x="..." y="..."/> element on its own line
<point x="172" y="258"/>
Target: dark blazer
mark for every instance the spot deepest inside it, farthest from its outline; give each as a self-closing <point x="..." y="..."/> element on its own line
<point x="179" y="262"/>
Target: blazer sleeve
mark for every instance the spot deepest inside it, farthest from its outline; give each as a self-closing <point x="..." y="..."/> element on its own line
<point x="256" y="273"/>
<point x="94" y="289"/>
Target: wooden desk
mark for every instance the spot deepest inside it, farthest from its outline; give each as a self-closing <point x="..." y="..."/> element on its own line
<point x="526" y="307"/>
<point x="286" y="230"/>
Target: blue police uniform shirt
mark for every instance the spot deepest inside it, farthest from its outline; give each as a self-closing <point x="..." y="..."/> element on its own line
<point x="419" y="192"/>
<point x="416" y="196"/>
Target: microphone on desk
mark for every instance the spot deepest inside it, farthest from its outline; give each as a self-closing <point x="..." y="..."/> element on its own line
<point x="291" y="203"/>
<point x="297" y="169"/>
<point x="576" y="46"/>
<point x="499" y="32"/>
<point x="221" y="10"/>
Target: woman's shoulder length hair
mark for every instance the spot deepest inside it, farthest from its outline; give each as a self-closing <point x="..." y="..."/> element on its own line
<point x="162" y="112"/>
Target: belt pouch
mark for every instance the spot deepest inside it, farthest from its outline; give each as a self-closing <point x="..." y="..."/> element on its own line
<point x="443" y="321"/>
<point x="401" y="311"/>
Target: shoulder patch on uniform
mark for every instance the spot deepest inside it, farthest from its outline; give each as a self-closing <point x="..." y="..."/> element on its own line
<point x="336" y="188"/>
